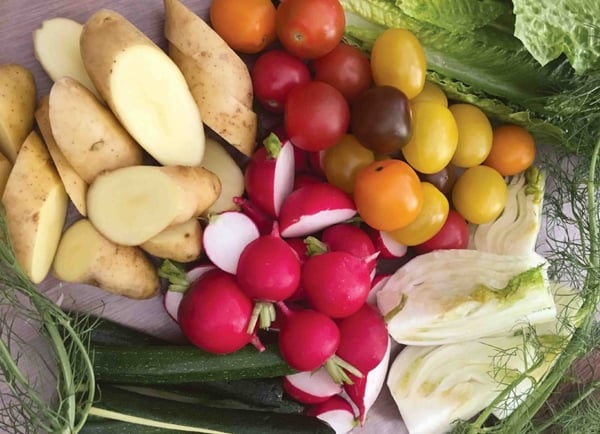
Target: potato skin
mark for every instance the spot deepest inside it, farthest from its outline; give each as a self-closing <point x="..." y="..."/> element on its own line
<point x="181" y="243"/>
<point x="17" y="105"/>
<point x="121" y="270"/>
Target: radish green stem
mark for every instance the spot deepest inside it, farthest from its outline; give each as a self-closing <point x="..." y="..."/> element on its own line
<point x="175" y="274"/>
<point x="273" y="145"/>
<point x="337" y="367"/>
<point x="314" y="246"/>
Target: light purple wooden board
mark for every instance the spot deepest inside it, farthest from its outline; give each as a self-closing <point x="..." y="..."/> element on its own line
<point x="18" y="19"/>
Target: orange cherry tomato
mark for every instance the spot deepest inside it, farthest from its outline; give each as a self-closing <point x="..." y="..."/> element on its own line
<point x="247" y="26"/>
<point x="513" y="150"/>
<point x="388" y="194"/>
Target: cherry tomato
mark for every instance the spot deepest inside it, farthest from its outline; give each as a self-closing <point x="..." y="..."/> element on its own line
<point x="247" y="26"/>
<point x="434" y="138"/>
<point x="388" y="194"/>
<point x="381" y="119"/>
<point x="346" y="68"/>
<point x="431" y="93"/>
<point x="398" y="59"/>
<point x="443" y="180"/>
<point x="513" y="150"/>
<point x="453" y="235"/>
<point x="474" y="135"/>
<point x="428" y="222"/>
<point x="316" y="116"/>
<point x="310" y="29"/>
<point x="274" y="74"/>
<point x="343" y="161"/>
<point x="479" y="194"/>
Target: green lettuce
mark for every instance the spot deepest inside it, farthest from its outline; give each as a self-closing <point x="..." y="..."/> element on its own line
<point x="549" y="28"/>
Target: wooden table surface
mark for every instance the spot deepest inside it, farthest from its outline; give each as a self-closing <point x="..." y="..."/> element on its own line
<point x="18" y="19"/>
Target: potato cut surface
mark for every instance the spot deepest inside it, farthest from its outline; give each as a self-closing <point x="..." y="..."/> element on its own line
<point x="131" y="205"/>
<point x="36" y="206"/>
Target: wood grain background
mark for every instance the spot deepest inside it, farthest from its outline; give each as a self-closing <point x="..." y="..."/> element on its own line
<point x="18" y="19"/>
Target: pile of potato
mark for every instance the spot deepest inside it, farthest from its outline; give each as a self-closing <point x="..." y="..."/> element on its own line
<point x="121" y="137"/>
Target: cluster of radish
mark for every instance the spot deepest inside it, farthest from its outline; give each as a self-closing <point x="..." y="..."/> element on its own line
<point x="294" y="261"/>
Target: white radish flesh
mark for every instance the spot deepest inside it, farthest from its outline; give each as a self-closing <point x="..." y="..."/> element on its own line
<point x="226" y="236"/>
<point x="337" y="413"/>
<point x="314" y="207"/>
<point x="311" y="387"/>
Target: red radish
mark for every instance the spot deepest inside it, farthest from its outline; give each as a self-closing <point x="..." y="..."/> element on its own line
<point x="378" y="282"/>
<point x="308" y="339"/>
<point x="214" y="314"/>
<point x="314" y="207"/>
<point x="269" y="176"/>
<point x="263" y="222"/>
<point x="306" y="179"/>
<point x="336" y="283"/>
<point x="350" y="238"/>
<point x="179" y="283"/>
<point x="268" y="271"/>
<point x="363" y="338"/>
<point x="364" y="391"/>
<point x="388" y="247"/>
<point x="311" y="387"/>
<point x="226" y="236"/>
<point x="301" y="250"/>
<point x="337" y="413"/>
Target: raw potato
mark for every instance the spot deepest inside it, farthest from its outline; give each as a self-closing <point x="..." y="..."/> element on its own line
<point x="5" y="168"/>
<point x="181" y="243"/>
<point x="144" y="89"/>
<point x="218" y="78"/>
<point x="17" y="105"/>
<point x="133" y="204"/>
<point x="87" y="133"/>
<point x="217" y="160"/>
<point x="36" y="206"/>
<point x="75" y="186"/>
<point x="85" y="256"/>
<point x="56" y="47"/>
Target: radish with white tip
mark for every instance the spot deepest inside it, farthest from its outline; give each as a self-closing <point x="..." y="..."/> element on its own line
<point x="337" y="413"/>
<point x="311" y="387"/>
<point x="364" y="391"/>
<point x="179" y="282"/>
<point x="269" y="176"/>
<point x="386" y="245"/>
<point x="314" y="207"/>
<point x="226" y="236"/>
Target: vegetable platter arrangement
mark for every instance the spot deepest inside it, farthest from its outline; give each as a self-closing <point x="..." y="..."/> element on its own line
<point x="299" y="216"/>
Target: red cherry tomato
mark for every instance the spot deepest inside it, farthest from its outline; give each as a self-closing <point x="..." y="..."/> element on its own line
<point x="274" y="74"/>
<point x="310" y="29"/>
<point x="346" y="68"/>
<point x="453" y="235"/>
<point x="316" y="116"/>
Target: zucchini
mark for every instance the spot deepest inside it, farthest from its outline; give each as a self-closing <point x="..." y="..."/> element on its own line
<point x="115" y="403"/>
<point x="169" y="364"/>
<point x="98" y="425"/>
<point x="260" y="391"/>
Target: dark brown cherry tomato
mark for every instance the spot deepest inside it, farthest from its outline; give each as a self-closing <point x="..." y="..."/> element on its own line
<point x="346" y="68"/>
<point x="444" y="179"/>
<point x="381" y="119"/>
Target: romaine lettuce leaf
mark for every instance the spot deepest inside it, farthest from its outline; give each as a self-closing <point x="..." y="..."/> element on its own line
<point x="549" y="28"/>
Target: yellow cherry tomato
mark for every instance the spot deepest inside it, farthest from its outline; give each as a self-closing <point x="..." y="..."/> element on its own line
<point x="431" y="93"/>
<point x="398" y="59"/>
<point x="344" y="160"/>
<point x="474" y="135"/>
<point x="479" y="194"/>
<point x="434" y="138"/>
<point x="429" y="221"/>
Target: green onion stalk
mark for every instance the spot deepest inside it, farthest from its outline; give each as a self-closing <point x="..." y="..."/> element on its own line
<point x="46" y="374"/>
